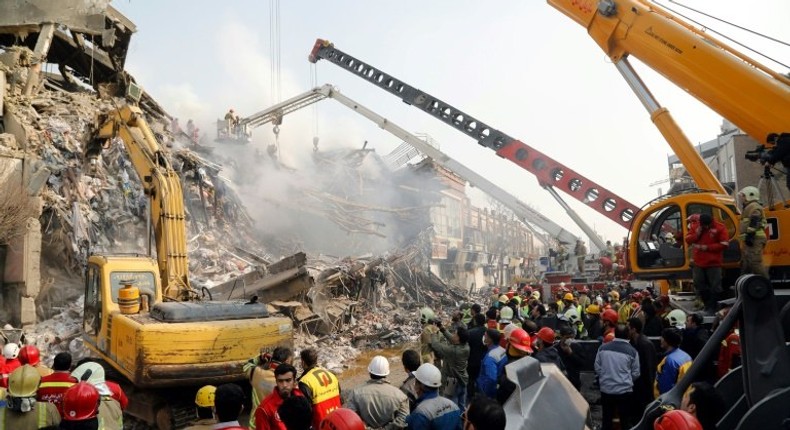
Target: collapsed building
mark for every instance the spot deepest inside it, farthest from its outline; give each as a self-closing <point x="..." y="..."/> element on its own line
<point x="59" y="204"/>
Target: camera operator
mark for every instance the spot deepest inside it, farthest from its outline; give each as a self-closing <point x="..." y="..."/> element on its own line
<point x="779" y="153"/>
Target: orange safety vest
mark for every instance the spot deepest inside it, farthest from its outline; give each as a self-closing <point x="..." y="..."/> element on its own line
<point x="324" y="391"/>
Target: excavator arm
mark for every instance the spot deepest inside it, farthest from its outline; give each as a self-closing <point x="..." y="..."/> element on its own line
<point x="163" y="187"/>
<point x="549" y="172"/>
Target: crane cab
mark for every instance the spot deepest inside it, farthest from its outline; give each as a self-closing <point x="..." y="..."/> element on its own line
<point x="657" y="249"/>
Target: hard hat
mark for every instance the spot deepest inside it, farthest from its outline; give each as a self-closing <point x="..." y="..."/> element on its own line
<point x="593" y="309"/>
<point x="426" y="314"/>
<point x="29" y="354"/>
<point x="10" y="351"/>
<point x="585" y="290"/>
<point x="506" y="313"/>
<point x="573" y="315"/>
<point x="520" y="340"/>
<point x="24" y="381"/>
<point x="503" y="298"/>
<point x="204" y="398"/>
<point x="536" y="295"/>
<point x="677" y="318"/>
<point x="637" y="296"/>
<point x="562" y="285"/>
<point x="509" y="330"/>
<point x="669" y="236"/>
<point x="750" y="194"/>
<point x="568" y="297"/>
<point x="546" y="334"/>
<point x="379" y="366"/>
<point x="342" y="419"/>
<point x="94" y="373"/>
<point x="80" y="402"/>
<point x="677" y="420"/>
<point x="429" y="375"/>
<point x="614" y="295"/>
<point x="610" y="315"/>
<point x="496" y="290"/>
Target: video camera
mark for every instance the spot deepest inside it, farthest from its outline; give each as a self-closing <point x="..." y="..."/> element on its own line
<point x="759" y="154"/>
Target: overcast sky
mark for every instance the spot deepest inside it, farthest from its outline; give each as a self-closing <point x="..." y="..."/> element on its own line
<point x="520" y="66"/>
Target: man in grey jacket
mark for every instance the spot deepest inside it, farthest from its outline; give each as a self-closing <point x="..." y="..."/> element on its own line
<point x="617" y="366"/>
<point x="379" y="404"/>
<point x="456" y="357"/>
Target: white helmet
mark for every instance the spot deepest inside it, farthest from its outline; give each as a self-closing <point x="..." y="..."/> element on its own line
<point x="429" y="375"/>
<point x="379" y="366"/>
<point x="506" y="313"/>
<point x="426" y="314"/>
<point x="10" y="351"/>
<point x="509" y="329"/>
<point x="750" y="194"/>
<point x="573" y="316"/>
<point x="677" y="318"/>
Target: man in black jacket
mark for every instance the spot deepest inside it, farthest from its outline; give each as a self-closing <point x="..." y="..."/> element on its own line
<point x="476" y="351"/>
<point x="648" y="360"/>
<point x="572" y="355"/>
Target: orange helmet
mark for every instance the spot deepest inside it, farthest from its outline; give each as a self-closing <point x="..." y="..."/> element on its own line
<point x="676" y="420"/>
<point x="520" y="340"/>
<point x="546" y="334"/>
<point x="342" y="419"/>
<point x="81" y="402"/>
<point x="610" y="315"/>
<point x="29" y="354"/>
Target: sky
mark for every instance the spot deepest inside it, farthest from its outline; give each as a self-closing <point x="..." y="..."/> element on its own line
<point x="520" y="66"/>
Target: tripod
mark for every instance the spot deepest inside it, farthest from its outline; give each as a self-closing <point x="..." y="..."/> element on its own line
<point x="773" y="192"/>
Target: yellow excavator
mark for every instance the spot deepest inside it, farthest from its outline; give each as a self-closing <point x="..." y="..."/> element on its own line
<point x="142" y="318"/>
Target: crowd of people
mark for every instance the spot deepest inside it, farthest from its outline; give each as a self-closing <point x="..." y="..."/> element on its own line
<point x="455" y="379"/>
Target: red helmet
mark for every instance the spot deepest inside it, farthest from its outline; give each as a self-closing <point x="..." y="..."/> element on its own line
<point x="519" y="339"/>
<point x="496" y="290"/>
<point x="677" y="420"/>
<point x="637" y="296"/>
<point x="546" y="334"/>
<point x="81" y="402"/>
<point x="585" y="290"/>
<point x="610" y="315"/>
<point x="342" y="419"/>
<point x="29" y="354"/>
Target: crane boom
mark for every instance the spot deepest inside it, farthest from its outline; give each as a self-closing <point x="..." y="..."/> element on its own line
<point x="548" y="171"/>
<point x="527" y="214"/>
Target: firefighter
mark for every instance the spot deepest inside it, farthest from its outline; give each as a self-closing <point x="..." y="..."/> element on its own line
<point x="52" y="387"/>
<point x="319" y="385"/>
<point x="10" y="354"/>
<point x="21" y="410"/>
<point x="81" y="407"/>
<point x="752" y="228"/>
<point x="676" y="420"/>
<point x="204" y="409"/>
<point x="29" y="354"/>
<point x="342" y="419"/>
<point x="110" y="412"/>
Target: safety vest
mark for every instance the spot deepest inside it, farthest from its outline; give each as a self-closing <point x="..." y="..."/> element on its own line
<point x="22" y="421"/>
<point x="729" y="354"/>
<point x="325" y="391"/>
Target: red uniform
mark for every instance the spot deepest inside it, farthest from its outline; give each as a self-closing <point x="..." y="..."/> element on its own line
<point x="323" y="389"/>
<point x="608" y="335"/>
<point x="266" y="417"/>
<point x="9" y="366"/>
<point x="53" y="386"/>
<point x="117" y="394"/>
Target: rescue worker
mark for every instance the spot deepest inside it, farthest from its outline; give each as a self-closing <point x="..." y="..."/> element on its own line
<point x="676" y="420"/>
<point x="752" y="228"/>
<point x="433" y="412"/>
<point x="584" y="298"/>
<point x="708" y="240"/>
<point x="648" y="360"/>
<point x="81" y="408"/>
<point x="379" y="404"/>
<point x="319" y="385"/>
<point x="609" y="318"/>
<point x="546" y="352"/>
<point x="427" y="316"/>
<point x="262" y="375"/>
<point x="53" y="386"/>
<point x="703" y="402"/>
<point x="593" y="322"/>
<point x="455" y="359"/>
<point x="204" y="409"/>
<point x="265" y="415"/>
<point x="411" y="362"/>
<point x="233" y="119"/>
<point x="674" y="364"/>
<point x="493" y="364"/>
<point x="110" y="412"/>
<point x="581" y="251"/>
<point x="29" y="354"/>
<point x="21" y="410"/>
<point x="11" y="354"/>
<point x="572" y="356"/>
<point x="518" y="347"/>
<point x="228" y="404"/>
<point x="342" y="419"/>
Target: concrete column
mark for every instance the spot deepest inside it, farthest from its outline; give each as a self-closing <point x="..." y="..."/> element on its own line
<point x="42" y="49"/>
<point x="2" y="91"/>
<point x="23" y="273"/>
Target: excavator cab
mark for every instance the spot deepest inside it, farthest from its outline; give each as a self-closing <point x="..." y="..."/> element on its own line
<point x="658" y="249"/>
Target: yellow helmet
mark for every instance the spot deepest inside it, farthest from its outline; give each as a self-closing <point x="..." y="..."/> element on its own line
<point x="24" y="381"/>
<point x="205" y="396"/>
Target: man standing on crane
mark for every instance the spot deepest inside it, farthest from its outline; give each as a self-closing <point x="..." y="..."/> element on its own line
<point x="752" y="230"/>
<point x="581" y="252"/>
<point x="708" y="239"/>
